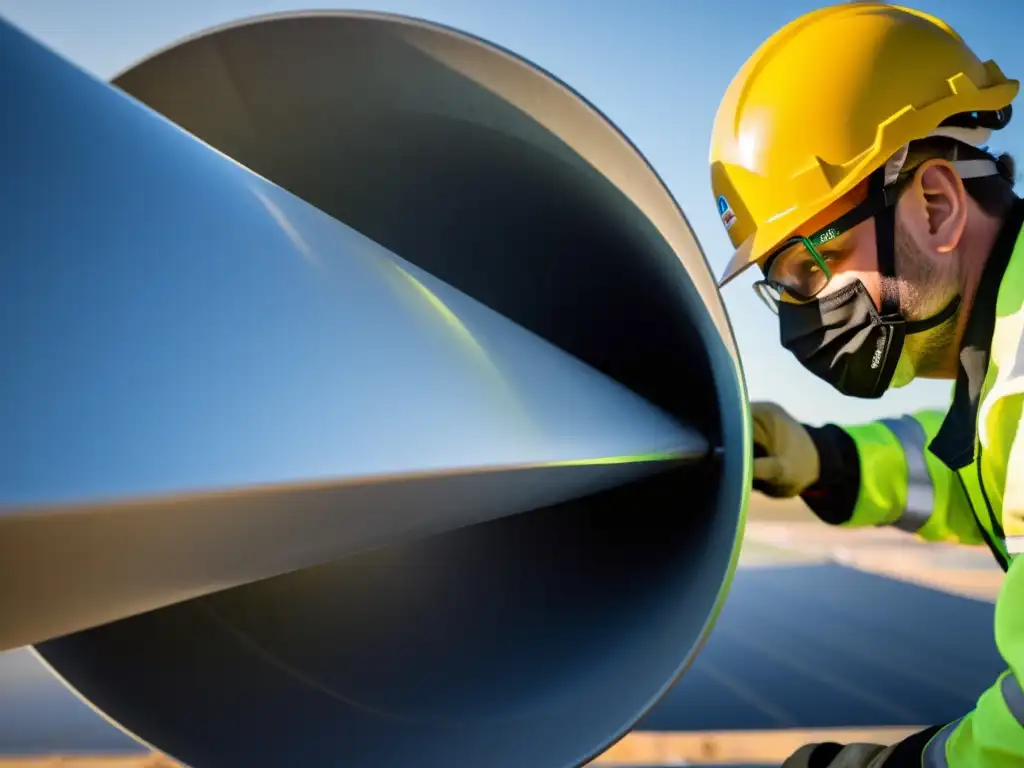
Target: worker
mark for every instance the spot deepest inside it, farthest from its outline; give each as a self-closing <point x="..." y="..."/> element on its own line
<point x="849" y="163"/>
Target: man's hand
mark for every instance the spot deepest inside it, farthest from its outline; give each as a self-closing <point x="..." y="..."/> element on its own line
<point x="831" y="755"/>
<point x="791" y="462"/>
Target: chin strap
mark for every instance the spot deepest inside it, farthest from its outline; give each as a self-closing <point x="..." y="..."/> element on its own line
<point x="882" y="184"/>
<point x="927" y="323"/>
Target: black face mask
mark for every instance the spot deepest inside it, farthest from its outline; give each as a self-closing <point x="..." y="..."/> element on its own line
<point x="844" y="340"/>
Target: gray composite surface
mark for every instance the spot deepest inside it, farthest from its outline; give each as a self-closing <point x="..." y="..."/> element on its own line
<point x="829" y="646"/>
<point x="800" y="646"/>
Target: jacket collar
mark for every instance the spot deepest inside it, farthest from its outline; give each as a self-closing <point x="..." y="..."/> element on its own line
<point x="954" y="442"/>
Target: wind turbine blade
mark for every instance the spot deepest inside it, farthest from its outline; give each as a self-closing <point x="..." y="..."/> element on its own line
<point x="208" y="381"/>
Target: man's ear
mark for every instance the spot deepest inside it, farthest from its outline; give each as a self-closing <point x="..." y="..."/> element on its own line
<point x="934" y="206"/>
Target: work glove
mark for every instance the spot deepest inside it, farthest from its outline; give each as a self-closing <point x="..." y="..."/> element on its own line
<point x="831" y="755"/>
<point x="786" y="460"/>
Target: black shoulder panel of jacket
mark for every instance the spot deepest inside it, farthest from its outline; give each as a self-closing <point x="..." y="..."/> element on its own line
<point x="834" y="496"/>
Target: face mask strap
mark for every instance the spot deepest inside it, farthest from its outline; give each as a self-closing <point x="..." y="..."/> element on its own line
<point x="885" y="245"/>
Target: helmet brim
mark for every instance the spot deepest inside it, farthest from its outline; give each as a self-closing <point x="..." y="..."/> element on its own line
<point x="739" y="262"/>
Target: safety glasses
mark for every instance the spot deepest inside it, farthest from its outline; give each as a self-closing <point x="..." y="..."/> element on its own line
<point x="798" y="270"/>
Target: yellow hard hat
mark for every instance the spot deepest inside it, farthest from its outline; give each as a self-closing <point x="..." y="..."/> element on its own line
<point x="823" y="103"/>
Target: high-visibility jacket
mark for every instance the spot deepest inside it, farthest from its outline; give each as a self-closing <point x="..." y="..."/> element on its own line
<point x="957" y="476"/>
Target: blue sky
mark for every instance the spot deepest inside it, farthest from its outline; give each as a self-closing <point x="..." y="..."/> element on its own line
<point x="657" y="68"/>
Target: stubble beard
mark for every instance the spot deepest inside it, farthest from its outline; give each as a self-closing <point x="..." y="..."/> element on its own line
<point x="926" y="286"/>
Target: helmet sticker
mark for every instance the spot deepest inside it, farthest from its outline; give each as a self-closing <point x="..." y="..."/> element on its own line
<point x="725" y="211"/>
